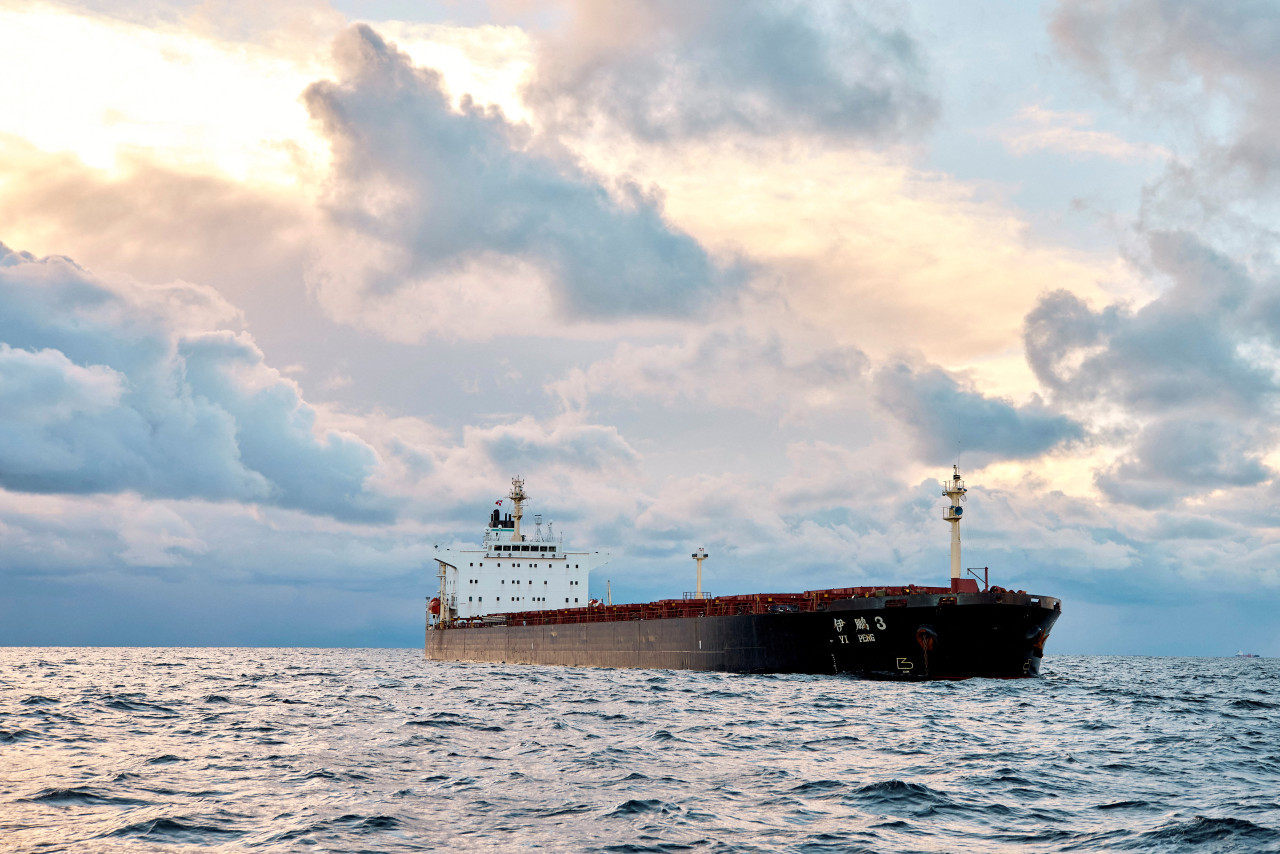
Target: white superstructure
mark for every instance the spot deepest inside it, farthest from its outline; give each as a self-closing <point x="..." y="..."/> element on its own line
<point x="513" y="571"/>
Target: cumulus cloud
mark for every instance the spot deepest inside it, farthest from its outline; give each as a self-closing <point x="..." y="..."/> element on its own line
<point x="444" y="220"/>
<point x="665" y="70"/>
<point x="110" y="385"/>
<point x="1198" y="403"/>
<point x="946" y="418"/>
<point x="1182" y="348"/>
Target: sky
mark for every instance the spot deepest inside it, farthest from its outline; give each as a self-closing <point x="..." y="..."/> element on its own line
<point x="290" y="291"/>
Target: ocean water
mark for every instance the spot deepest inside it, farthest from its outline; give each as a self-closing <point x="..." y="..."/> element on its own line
<point x="381" y="751"/>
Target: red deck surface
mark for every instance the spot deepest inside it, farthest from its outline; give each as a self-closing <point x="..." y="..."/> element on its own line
<point x="721" y="606"/>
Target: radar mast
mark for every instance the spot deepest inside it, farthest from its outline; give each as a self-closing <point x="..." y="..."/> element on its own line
<point x="955" y="491"/>
<point x="518" y="497"/>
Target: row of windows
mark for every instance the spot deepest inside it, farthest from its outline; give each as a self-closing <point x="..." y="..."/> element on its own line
<point x="525" y="548"/>
<point x="533" y="565"/>
<point x="517" y="581"/>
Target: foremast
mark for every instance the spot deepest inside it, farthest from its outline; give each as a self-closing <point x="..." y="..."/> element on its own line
<point x="955" y="492"/>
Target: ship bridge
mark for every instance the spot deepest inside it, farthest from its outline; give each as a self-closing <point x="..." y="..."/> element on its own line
<point x="511" y="570"/>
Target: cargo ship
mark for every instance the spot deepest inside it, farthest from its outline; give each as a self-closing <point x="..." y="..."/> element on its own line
<point x="521" y="598"/>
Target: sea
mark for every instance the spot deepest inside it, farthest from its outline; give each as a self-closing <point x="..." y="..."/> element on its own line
<point x="105" y="750"/>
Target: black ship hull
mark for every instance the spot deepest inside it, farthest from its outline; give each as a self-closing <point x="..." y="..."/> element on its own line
<point x="922" y="636"/>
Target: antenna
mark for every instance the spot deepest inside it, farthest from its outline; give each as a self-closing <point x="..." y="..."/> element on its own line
<point x="537" y="527"/>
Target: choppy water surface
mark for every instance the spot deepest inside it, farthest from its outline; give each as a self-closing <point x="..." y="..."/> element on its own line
<point x="379" y="750"/>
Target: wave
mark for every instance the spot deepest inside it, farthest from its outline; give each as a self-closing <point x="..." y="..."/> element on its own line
<point x="1202" y="830"/>
<point x="79" y="795"/>
<point x="897" y="792"/>
<point x="173" y="827"/>
<point x="643" y="807"/>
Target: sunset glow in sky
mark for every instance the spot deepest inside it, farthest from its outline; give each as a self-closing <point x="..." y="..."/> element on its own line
<point x="289" y="291"/>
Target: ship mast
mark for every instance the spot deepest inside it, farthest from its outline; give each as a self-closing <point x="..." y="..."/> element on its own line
<point x="700" y="555"/>
<point x="955" y="492"/>
<point x="518" y="498"/>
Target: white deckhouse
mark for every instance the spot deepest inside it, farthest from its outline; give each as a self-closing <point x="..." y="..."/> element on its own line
<point x="513" y="571"/>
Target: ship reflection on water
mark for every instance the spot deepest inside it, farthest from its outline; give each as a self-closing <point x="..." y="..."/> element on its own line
<point x="349" y="750"/>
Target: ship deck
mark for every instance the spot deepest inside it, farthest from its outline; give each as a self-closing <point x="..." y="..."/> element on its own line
<point x="719" y="606"/>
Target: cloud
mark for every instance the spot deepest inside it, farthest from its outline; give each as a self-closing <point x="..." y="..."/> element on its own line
<point x="947" y="418"/>
<point x="1181" y="349"/>
<point x="727" y="365"/>
<point x="156" y="222"/>
<point x="1214" y="66"/>
<point x="1170" y="455"/>
<point x="1154" y="42"/>
<point x="526" y="445"/>
<point x="110" y="385"/>
<point x="665" y="70"/>
<point x="1176" y="375"/>
<point x="446" y="221"/>
<point x="1038" y="129"/>
<point x="1189" y="381"/>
